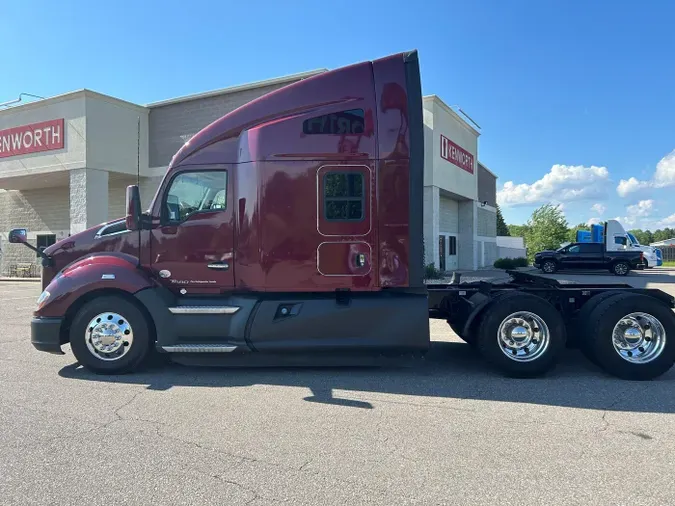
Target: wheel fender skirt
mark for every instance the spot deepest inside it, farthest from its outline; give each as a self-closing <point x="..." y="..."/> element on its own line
<point x="87" y="275"/>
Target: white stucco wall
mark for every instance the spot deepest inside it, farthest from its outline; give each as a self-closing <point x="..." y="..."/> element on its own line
<point x="71" y="108"/>
<point x="112" y="134"/>
<point x="440" y="120"/>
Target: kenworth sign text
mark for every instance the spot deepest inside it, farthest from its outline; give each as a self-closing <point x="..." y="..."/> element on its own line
<point x="454" y="154"/>
<point x="43" y="136"/>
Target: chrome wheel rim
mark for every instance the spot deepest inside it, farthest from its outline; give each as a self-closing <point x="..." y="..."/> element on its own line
<point x="548" y="267"/>
<point x="621" y="269"/>
<point x="109" y="336"/>
<point x="639" y="338"/>
<point x="523" y="336"/>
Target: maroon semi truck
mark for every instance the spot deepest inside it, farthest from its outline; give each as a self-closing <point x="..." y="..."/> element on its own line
<point x="289" y="231"/>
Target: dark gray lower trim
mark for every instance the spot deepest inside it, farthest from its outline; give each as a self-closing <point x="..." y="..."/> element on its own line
<point x="45" y="334"/>
<point x="292" y="322"/>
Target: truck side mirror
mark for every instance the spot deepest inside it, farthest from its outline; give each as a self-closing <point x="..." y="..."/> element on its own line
<point x="18" y="236"/>
<point x="133" y="219"/>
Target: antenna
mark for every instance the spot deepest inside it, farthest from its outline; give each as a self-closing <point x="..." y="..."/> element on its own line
<point x="138" y="154"/>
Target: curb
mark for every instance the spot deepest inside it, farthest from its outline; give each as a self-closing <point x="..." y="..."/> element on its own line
<point x="21" y="280"/>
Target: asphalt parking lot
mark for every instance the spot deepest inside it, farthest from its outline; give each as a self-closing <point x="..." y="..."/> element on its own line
<point x="447" y="431"/>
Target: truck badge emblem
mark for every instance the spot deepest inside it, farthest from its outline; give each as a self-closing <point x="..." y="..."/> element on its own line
<point x="183" y="291"/>
<point x="164" y="274"/>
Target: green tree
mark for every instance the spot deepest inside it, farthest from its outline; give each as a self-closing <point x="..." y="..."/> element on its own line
<point x="547" y="229"/>
<point x="502" y="229"/>
<point x="517" y="230"/>
<point x="644" y="236"/>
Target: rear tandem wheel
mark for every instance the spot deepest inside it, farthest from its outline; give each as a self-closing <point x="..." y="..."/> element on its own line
<point x="521" y="335"/>
<point x="632" y="336"/>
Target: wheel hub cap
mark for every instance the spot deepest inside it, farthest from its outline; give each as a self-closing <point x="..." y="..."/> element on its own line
<point x="523" y="336"/>
<point x="639" y="338"/>
<point x="109" y="336"/>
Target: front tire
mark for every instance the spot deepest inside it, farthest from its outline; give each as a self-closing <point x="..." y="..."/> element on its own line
<point x="110" y="335"/>
<point x="549" y="267"/>
<point x="521" y="335"/>
<point x="633" y="336"/>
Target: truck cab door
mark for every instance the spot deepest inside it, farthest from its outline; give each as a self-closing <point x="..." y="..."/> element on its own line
<point x="571" y="257"/>
<point x="192" y="246"/>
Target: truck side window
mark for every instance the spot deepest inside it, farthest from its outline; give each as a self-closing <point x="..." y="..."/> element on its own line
<point x="338" y="123"/>
<point x="194" y="192"/>
<point x="343" y="196"/>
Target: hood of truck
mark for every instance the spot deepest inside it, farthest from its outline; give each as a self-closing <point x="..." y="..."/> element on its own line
<point x="107" y="236"/>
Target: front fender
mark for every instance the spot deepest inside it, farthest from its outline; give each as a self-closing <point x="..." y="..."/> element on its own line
<point x="96" y="272"/>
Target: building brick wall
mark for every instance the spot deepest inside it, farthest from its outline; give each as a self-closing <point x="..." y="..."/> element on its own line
<point x="430" y="221"/>
<point x="487" y="187"/>
<point x="173" y="124"/>
<point x="491" y="253"/>
<point x="466" y="246"/>
<point x="449" y="215"/>
<point x="43" y="210"/>
<point x="487" y="223"/>
<point x="88" y="198"/>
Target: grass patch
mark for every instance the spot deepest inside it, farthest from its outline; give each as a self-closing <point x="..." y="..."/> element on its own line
<point x="669" y="263"/>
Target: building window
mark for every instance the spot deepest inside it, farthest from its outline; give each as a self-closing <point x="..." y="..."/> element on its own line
<point x="44" y="241"/>
<point x="452" y="246"/>
<point x="338" y="123"/>
<point x="343" y="196"/>
<point x="196" y="192"/>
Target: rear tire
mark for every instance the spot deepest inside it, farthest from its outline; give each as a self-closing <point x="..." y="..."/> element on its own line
<point x="110" y="335"/>
<point x="632" y="336"/>
<point x="469" y="339"/>
<point x="620" y="268"/>
<point x="580" y="330"/>
<point x="521" y="335"/>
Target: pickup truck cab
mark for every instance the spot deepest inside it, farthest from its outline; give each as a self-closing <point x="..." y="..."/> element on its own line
<point x="592" y="256"/>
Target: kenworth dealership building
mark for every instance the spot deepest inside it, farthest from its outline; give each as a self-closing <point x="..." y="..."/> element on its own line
<point x="65" y="163"/>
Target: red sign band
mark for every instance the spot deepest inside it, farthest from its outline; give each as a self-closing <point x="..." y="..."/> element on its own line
<point x="456" y="155"/>
<point x="33" y="138"/>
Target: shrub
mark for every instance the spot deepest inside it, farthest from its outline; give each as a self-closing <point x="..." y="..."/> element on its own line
<point x="520" y="262"/>
<point x="504" y="263"/>
<point x="510" y="263"/>
<point x="431" y="272"/>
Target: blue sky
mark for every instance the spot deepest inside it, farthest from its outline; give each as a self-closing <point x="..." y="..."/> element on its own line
<point x="573" y="97"/>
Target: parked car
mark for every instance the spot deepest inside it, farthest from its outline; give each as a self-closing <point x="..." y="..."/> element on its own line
<point x="589" y="256"/>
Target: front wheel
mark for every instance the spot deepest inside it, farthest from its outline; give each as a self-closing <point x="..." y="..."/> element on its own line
<point x="621" y="268"/>
<point x="110" y="335"/>
<point x="521" y="335"/>
<point x="549" y="267"/>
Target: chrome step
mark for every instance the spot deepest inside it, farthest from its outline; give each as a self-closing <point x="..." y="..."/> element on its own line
<point x="199" y="348"/>
<point x="204" y="309"/>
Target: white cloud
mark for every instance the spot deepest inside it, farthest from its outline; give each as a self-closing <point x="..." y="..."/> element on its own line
<point x="563" y="183"/>
<point x="598" y="208"/>
<point x="642" y="209"/>
<point x="667" y="222"/>
<point x="663" y="177"/>
<point x="593" y="221"/>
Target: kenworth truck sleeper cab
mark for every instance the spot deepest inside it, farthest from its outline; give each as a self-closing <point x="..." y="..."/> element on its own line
<point x="290" y="232"/>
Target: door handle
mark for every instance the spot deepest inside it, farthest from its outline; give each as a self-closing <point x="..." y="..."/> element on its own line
<point x="220" y="266"/>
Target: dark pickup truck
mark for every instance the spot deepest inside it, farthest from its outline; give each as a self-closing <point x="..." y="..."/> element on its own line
<point x="589" y="256"/>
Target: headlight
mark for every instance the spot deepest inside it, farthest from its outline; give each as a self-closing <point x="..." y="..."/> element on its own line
<point x="42" y="299"/>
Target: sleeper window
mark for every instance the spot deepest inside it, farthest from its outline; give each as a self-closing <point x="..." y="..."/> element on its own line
<point x="338" y="123"/>
<point x="343" y="196"/>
